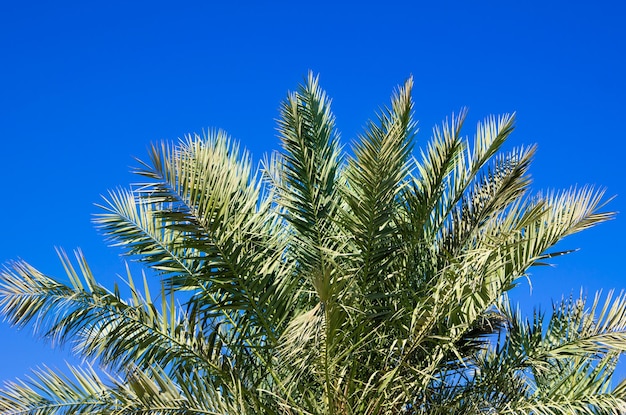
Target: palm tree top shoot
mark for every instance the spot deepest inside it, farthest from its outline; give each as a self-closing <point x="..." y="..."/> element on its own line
<point x="372" y="281"/>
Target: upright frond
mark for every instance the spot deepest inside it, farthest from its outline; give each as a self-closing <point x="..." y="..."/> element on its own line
<point x="310" y="163"/>
<point x="375" y="176"/>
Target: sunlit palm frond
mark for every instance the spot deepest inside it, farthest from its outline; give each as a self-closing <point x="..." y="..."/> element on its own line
<point x="566" y="365"/>
<point x="202" y="220"/>
<point x="203" y="190"/>
<point x="434" y="170"/>
<point x="375" y="177"/>
<point x="152" y="391"/>
<point x="134" y="224"/>
<point x="574" y="330"/>
<point x="310" y="163"/>
<point x="500" y="187"/>
<point x="450" y="165"/>
<point x="100" y="324"/>
<point x="48" y="392"/>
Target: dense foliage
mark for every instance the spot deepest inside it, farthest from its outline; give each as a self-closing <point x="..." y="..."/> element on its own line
<point x="372" y="281"/>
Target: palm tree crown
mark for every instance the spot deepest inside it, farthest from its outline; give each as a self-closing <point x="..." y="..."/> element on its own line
<point x="373" y="281"/>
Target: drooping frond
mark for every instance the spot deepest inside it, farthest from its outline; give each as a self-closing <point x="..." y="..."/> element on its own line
<point x="100" y="324"/>
<point x="48" y="392"/>
<point x="151" y="391"/>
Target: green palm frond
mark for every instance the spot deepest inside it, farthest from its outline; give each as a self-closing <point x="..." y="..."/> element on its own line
<point x="152" y="391"/>
<point x="450" y="165"/>
<point x="205" y="202"/>
<point x="576" y="331"/>
<point x="499" y="188"/>
<point x="48" y="392"/>
<point x="100" y="324"/>
<point x="434" y="172"/>
<point x="200" y="222"/>
<point x="136" y="225"/>
<point x="310" y="163"/>
<point x="376" y="176"/>
<point x="564" y="367"/>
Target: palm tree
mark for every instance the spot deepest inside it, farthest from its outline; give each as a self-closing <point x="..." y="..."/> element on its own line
<point x="328" y="282"/>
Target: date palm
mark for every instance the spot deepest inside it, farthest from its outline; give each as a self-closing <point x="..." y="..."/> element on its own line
<point x="373" y="281"/>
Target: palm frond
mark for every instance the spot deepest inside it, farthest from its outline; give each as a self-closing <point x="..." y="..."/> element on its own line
<point x="376" y="175"/>
<point x="145" y="392"/>
<point x="48" y="392"/>
<point x="136" y="225"/>
<point x="500" y="187"/>
<point x="100" y="324"/>
<point x="204" y="202"/>
<point x="310" y="163"/>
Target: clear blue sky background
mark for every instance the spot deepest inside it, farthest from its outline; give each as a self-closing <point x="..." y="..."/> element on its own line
<point x="86" y="86"/>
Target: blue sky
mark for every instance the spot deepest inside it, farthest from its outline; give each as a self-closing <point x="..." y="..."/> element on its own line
<point x="87" y="86"/>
